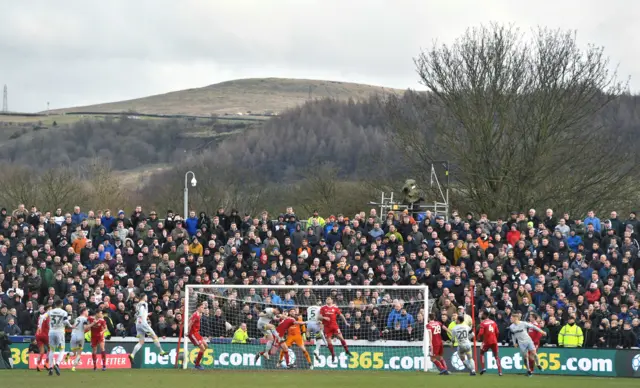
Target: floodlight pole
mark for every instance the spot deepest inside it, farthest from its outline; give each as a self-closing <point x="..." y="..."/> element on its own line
<point x="186" y="192"/>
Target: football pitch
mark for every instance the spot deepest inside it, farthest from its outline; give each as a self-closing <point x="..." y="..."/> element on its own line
<point x="292" y="379"/>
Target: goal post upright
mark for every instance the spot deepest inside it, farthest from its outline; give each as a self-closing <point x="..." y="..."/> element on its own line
<point x="425" y="339"/>
<point x="185" y="331"/>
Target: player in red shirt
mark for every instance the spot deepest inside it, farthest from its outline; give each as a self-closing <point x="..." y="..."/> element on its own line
<point x="435" y="329"/>
<point x="489" y="333"/>
<point x="98" y="328"/>
<point x="329" y="314"/>
<point x="282" y="330"/>
<point x="535" y="335"/>
<point x="42" y="337"/>
<point x="194" y="334"/>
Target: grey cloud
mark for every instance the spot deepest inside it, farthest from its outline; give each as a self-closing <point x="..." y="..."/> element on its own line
<point x="81" y="52"/>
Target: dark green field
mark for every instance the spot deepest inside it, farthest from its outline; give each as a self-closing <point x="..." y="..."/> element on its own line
<point x="291" y="379"/>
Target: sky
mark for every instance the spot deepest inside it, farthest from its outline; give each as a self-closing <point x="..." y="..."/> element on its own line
<point x="81" y="52"/>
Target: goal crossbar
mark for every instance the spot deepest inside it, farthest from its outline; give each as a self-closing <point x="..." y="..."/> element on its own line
<point x="301" y="287"/>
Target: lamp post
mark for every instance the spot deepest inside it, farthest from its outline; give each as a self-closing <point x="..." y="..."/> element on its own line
<point x="186" y="191"/>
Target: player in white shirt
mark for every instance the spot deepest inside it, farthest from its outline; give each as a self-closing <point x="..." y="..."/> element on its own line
<point x="520" y="337"/>
<point x="463" y="335"/>
<point x="315" y="328"/>
<point x="80" y="326"/>
<point x="143" y="329"/>
<point x="268" y="329"/>
<point x="59" y="321"/>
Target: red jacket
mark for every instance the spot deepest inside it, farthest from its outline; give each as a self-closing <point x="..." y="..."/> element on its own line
<point x="592" y="296"/>
<point x="512" y="237"/>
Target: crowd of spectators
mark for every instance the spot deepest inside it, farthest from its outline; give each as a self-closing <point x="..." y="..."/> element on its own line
<point x="558" y="267"/>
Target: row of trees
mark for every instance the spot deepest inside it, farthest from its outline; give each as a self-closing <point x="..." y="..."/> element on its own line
<point x="92" y="185"/>
<point x="127" y="143"/>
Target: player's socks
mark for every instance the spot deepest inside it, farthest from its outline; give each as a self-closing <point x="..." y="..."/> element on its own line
<point x="333" y="353"/>
<point x="104" y="359"/>
<point x="199" y="357"/>
<point x="498" y="362"/>
<point x="268" y="346"/>
<point x="157" y="343"/>
<point x="469" y="364"/>
<point x="344" y="345"/>
<point x="94" y="358"/>
<point x="50" y="359"/>
<point x="532" y="364"/>
<point x="61" y="357"/>
<point x="77" y="359"/>
<point x="439" y="365"/>
<point x="286" y="357"/>
<point x="307" y="356"/>
<point x="136" y="349"/>
<point x="281" y="356"/>
<point x="444" y="364"/>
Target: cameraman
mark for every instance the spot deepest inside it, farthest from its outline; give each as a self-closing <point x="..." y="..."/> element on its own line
<point x="5" y="350"/>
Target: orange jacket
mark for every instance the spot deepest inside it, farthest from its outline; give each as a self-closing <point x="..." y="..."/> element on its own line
<point x="78" y="244"/>
<point x="483" y="244"/>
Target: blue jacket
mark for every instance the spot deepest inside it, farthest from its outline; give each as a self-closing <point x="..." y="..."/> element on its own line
<point x="396" y="316"/>
<point x="77" y="218"/>
<point x="107" y="248"/>
<point x="276" y="300"/>
<point x="573" y="242"/>
<point x="595" y="221"/>
<point x="288" y="303"/>
<point x="291" y="226"/>
<point x="392" y="317"/>
<point x="333" y="238"/>
<point x="192" y="225"/>
<point x="539" y="297"/>
<point x="586" y="273"/>
<point x="107" y="222"/>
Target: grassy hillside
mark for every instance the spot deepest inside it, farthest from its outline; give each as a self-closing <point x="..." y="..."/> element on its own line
<point x="256" y="95"/>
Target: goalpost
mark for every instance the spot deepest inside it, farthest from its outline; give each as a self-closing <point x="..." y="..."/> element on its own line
<point x="386" y="328"/>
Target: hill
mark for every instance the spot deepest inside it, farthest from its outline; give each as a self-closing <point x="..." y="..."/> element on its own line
<point x="255" y="95"/>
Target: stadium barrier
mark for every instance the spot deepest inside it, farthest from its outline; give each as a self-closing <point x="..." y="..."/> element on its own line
<point x="224" y="355"/>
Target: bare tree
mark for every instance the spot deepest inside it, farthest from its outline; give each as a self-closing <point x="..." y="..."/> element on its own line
<point x="319" y="188"/>
<point x="518" y="118"/>
<point x="103" y="185"/>
<point x="60" y="187"/>
<point x="19" y="185"/>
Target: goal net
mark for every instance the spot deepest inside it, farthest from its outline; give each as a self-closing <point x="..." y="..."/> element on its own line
<point x="383" y="327"/>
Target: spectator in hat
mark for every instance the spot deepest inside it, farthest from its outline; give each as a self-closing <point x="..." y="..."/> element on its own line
<point x="195" y="248"/>
<point x="632" y="222"/>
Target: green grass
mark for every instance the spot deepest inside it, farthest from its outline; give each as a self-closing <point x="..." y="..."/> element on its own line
<point x="291" y="379"/>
